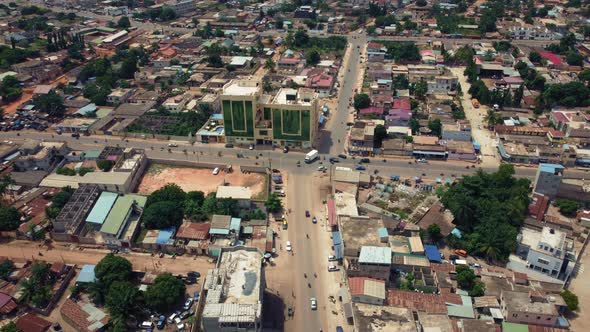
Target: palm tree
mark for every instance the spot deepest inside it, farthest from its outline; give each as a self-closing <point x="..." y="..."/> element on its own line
<point x="269" y="64"/>
<point x="28" y="288"/>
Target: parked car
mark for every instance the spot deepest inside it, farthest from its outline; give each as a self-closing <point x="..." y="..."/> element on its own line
<point x="196" y="296"/>
<point x="332" y="268"/>
<point x="172" y="317"/>
<point x="161" y="322"/>
<point x="307" y="214"/>
<point x="188" y="304"/>
<point x="314" y="220"/>
<point x="360" y="168"/>
<point x="322" y="168"/>
<point x="285" y="149"/>
<point x="314" y="303"/>
<point x="288" y="246"/>
<point x="216" y="171"/>
<point x="146" y="325"/>
<point x="229" y="145"/>
<point x="332" y="258"/>
<point x="461" y="252"/>
<point x="365" y="160"/>
<point x="343" y="156"/>
<point x="172" y="145"/>
<point x="193" y="274"/>
<point x="251" y="147"/>
<point x="334" y="160"/>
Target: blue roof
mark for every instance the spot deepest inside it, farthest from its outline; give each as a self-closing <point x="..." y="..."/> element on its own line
<point x="165" y="235"/>
<point x="87" y="274"/>
<point x="217" y="116"/>
<point x="219" y="231"/>
<point x="382" y="232"/>
<point x="550" y="168"/>
<point x="234" y="224"/>
<point x="86" y="109"/>
<point x="322" y="119"/>
<point x="101" y="209"/>
<point x="336" y="237"/>
<point x="432" y="253"/>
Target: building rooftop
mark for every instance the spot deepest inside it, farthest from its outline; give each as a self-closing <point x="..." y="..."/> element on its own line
<point x="359" y="231"/>
<point x="120" y="211"/>
<point x="288" y="96"/>
<point x="234" y="289"/>
<point x="521" y="302"/>
<point x="102" y="207"/>
<point x="375" y="255"/>
<point x="241" y="88"/>
<point x="86" y="274"/>
<point x="550" y="168"/>
<point x="235" y="192"/>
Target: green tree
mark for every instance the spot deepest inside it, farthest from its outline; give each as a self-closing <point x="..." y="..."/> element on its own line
<point x="273" y="203"/>
<point x="379" y="135"/>
<point x="124" y="22"/>
<point x="162" y="214"/>
<point x="51" y="103"/>
<point x="124" y="300"/>
<point x="361" y="100"/>
<point x="269" y="64"/>
<point x="421" y="89"/>
<point x="434" y="233"/>
<point x="535" y="57"/>
<point x="414" y="125"/>
<point x="214" y="61"/>
<point x="574" y="59"/>
<point x="10" y="327"/>
<point x="571" y="300"/>
<point x="478" y="289"/>
<point x="9" y="218"/>
<point x="6" y="268"/>
<point x="112" y="268"/>
<point x="567" y="207"/>
<point x="169" y="192"/>
<point x="312" y="57"/>
<point x="465" y="277"/>
<point x="10" y="89"/>
<point x="436" y="127"/>
<point x="128" y="68"/>
<point x="166" y="292"/>
<point x="104" y="165"/>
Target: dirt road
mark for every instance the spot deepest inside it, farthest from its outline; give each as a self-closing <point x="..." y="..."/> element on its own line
<point x="141" y="262"/>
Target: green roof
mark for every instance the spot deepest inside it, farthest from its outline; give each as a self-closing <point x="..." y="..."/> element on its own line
<point x="119" y="213"/>
<point x="91" y="154"/>
<point x="514" y="327"/>
<point x="103" y="111"/>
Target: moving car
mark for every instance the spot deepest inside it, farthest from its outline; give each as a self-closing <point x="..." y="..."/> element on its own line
<point x="322" y="168"/>
<point x="216" y="171"/>
<point x="332" y="268"/>
<point x="288" y="246"/>
<point x="172" y="145"/>
<point x="314" y="303"/>
<point x="229" y="145"/>
<point x="332" y="258"/>
<point x="314" y="220"/>
<point x="285" y="149"/>
<point x="334" y="160"/>
<point x="307" y="213"/>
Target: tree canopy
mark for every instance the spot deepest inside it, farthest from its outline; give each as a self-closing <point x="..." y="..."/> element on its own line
<point x="273" y="203"/>
<point x="51" y="103"/>
<point x="165" y="292"/>
<point x="112" y="268"/>
<point x="362" y="100"/>
<point x="475" y="201"/>
<point x="9" y="218"/>
<point x="162" y="214"/>
<point x="169" y="192"/>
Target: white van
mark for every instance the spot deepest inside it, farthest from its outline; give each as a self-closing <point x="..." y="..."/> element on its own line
<point x="216" y="171"/>
<point x="146" y="324"/>
<point x="460" y="262"/>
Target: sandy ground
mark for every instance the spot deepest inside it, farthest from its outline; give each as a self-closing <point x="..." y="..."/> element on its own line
<point x="28" y="95"/>
<point x="140" y="261"/>
<point x="202" y="179"/>
<point x="579" y="286"/>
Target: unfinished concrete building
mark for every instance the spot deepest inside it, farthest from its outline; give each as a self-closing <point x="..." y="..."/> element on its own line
<point x="70" y="221"/>
<point x="234" y="292"/>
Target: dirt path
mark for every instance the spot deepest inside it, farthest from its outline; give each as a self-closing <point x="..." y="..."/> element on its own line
<point x="141" y="262"/>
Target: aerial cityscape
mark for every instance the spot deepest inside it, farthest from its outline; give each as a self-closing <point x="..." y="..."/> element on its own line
<point x="294" y="165"/>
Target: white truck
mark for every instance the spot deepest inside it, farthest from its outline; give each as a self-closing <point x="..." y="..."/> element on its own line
<point x="311" y="156"/>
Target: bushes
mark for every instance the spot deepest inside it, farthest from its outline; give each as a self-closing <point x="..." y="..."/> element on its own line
<point x="104" y="165"/>
<point x="571" y="300"/>
<point x="567" y="207"/>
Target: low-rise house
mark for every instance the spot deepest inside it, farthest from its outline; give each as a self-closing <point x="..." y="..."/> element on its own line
<point x="460" y="150"/>
<point x="119" y="96"/>
<point x="83" y="316"/>
<point x="7" y="304"/>
<point x="322" y="83"/>
<point x="122" y="224"/>
<point x="396" y="147"/>
<point x="367" y="290"/>
<point x="520" y="307"/>
<point x="460" y="131"/>
<point x="373" y="262"/>
<point x="37" y="155"/>
<point x="361" y="138"/>
<point x="376" y="52"/>
<point x="30" y="322"/>
<point x="220" y="226"/>
<point x="242" y="194"/>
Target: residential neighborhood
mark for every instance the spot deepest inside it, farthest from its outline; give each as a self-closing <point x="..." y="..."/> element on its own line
<point x="184" y="165"/>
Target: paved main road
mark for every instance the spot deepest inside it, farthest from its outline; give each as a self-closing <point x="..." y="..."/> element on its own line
<point x="273" y="158"/>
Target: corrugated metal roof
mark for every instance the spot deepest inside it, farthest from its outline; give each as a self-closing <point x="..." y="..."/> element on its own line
<point x="87" y="274"/>
<point x="102" y="207"/>
<point x="432" y="253"/>
<point x="374" y="288"/>
<point x="119" y="212"/>
<point x="375" y="255"/>
<point x="416" y="244"/>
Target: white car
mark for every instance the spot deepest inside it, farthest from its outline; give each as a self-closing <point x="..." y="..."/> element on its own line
<point x="332" y="258"/>
<point x="172" y="145"/>
<point x="216" y="171"/>
<point x="332" y="268"/>
<point x="251" y="147"/>
<point x="322" y="168"/>
<point x="288" y="246"/>
<point x="314" y="303"/>
<point x="180" y="326"/>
